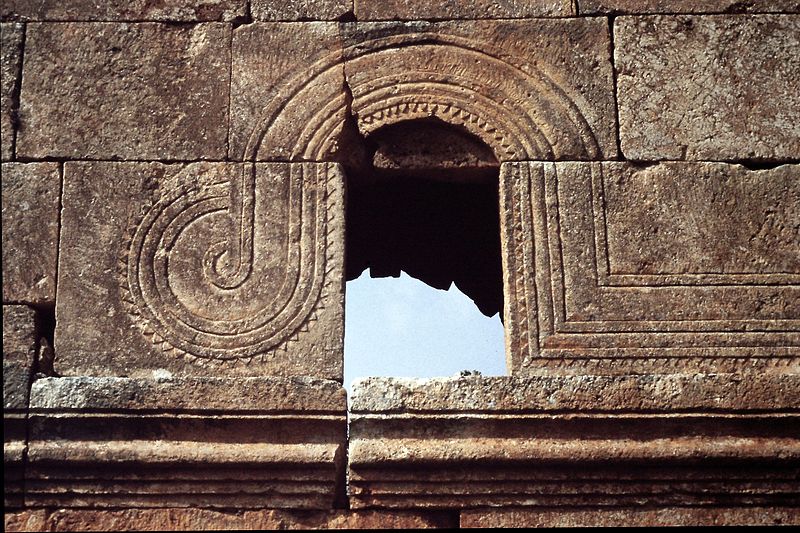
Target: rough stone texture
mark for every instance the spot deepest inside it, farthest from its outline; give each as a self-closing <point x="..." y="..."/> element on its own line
<point x="11" y="36"/>
<point x="27" y="520"/>
<point x="633" y="517"/>
<point x="207" y="519"/>
<point x="122" y="10"/>
<point x="519" y="86"/>
<point x="31" y="196"/>
<point x="251" y="284"/>
<point x="19" y="356"/>
<point x="708" y="88"/>
<point x="460" y="9"/>
<point x="125" y="91"/>
<point x="529" y="89"/>
<point x="622" y="285"/>
<point x="300" y="9"/>
<point x="592" y="7"/>
<point x="496" y="442"/>
<point x="280" y="72"/>
<point x="645" y="393"/>
<point x="244" y="443"/>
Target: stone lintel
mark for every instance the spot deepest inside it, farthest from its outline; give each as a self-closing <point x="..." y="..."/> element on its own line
<point x="237" y="443"/>
<point x="574" y="441"/>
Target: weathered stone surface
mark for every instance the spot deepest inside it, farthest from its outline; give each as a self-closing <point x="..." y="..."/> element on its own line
<point x="591" y="7"/>
<point x="250" y="285"/>
<point x="208" y="519"/>
<point x="10" y="57"/>
<point x="624" y="285"/>
<point x="19" y="357"/>
<point x="31" y="196"/>
<point x="696" y="88"/>
<point x="300" y="9"/>
<point x="122" y="10"/>
<point x="633" y="517"/>
<point x="27" y="520"/>
<point x="19" y="354"/>
<point x="280" y="73"/>
<point x="497" y="442"/>
<point x="645" y="393"/>
<point x="212" y="394"/>
<point x="133" y="91"/>
<point x="236" y="443"/>
<point x="518" y="86"/>
<point x="460" y="9"/>
<point x="529" y="89"/>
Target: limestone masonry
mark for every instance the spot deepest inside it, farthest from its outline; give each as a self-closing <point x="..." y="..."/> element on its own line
<point x="187" y="185"/>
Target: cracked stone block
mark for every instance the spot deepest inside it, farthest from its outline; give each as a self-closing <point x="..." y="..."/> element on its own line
<point x="225" y="269"/>
<point x="125" y="91"/>
<point x="527" y="89"/>
<point x="269" y="10"/>
<point x="122" y="10"/>
<point x="518" y="86"/>
<point x="709" y="88"/>
<point x="460" y="9"/>
<point x="643" y="7"/>
<point x="31" y="197"/>
<point x="646" y="268"/>
<point x="19" y="356"/>
<point x="191" y="442"/>
<point x="10" y="58"/>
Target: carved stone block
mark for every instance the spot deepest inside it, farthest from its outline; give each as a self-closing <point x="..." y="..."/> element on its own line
<point x="593" y="7"/>
<point x="528" y="89"/>
<point x="125" y="91"/>
<point x="203" y="442"/>
<point x="10" y="62"/>
<point x="708" y="88"/>
<point x="460" y="9"/>
<point x="31" y="196"/>
<point x="19" y="356"/>
<point x="313" y="91"/>
<point x="616" y="268"/>
<point x="222" y="269"/>
<point x="288" y="98"/>
<point x="300" y="9"/>
<point x="561" y="443"/>
<point x="122" y="10"/>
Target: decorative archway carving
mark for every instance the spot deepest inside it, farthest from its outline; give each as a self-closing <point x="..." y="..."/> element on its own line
<point x="273" y="294"/>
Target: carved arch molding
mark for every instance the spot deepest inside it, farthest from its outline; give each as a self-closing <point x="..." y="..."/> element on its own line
<point x="253" y="290"/>
<point x="242" y="269"/>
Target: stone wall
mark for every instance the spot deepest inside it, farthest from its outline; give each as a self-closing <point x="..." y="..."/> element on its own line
<point x="175" y="181"/>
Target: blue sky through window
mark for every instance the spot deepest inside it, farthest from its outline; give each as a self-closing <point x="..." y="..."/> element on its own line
<point x="401" y="327"/>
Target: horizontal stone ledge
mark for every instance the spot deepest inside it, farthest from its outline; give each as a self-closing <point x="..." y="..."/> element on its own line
<point x="208" y="519"/>
<point x="123" y="10"/>
<point x="259" y="394"/>
<point x="638" y="393"/>
<point x="630" y="517"/>
<point x="644" y="7"/>
<point x="460" y="9"/>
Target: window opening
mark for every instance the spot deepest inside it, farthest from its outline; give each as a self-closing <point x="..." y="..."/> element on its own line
<point x="423" y="211"/>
